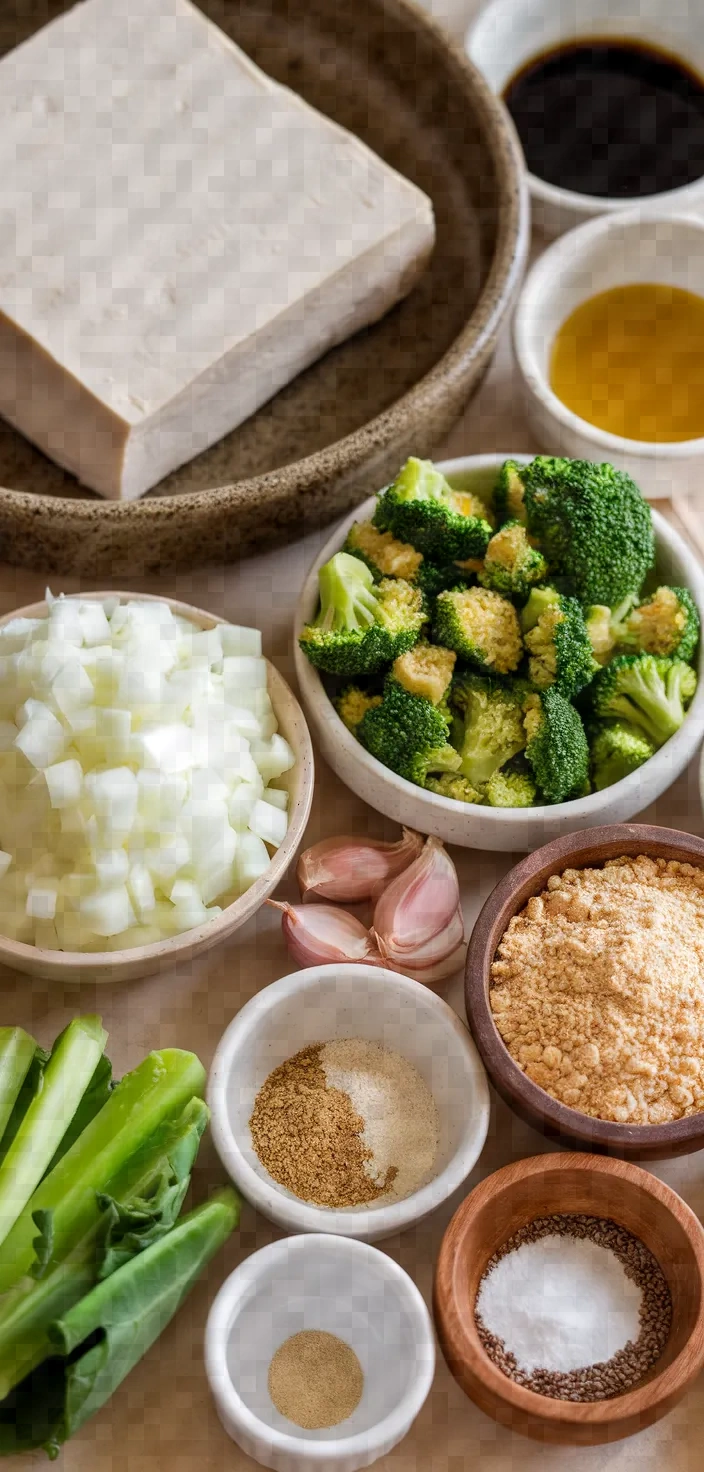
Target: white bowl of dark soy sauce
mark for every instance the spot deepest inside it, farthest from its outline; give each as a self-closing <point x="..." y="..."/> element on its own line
<point x="607" y="98"/>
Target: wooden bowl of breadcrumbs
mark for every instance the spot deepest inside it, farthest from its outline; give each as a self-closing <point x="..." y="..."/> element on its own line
<point x="584" y="990"/>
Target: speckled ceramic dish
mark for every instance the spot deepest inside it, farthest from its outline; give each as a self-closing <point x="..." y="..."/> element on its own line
<point x="386" y="71"/>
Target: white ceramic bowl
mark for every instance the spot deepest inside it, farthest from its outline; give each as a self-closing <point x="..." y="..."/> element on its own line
<point x="510" y="830"/>
<point x="508" y="33"/>
<point x="137" y="961"/>
<point x="617" y="250"/>
<point x="344" y="1288"/>
<point x="348" y="1001"/>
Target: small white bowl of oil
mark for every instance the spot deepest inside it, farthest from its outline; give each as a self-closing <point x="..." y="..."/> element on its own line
<point x="380" y="1376"/>
<point x="638" y="366"/>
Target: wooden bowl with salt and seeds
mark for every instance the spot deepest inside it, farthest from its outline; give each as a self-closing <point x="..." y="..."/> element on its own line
<point x="584" y="993"/>
<point x="627" y="1255"/>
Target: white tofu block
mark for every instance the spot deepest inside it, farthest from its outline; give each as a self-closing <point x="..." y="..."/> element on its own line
<point x="180" y="237"/>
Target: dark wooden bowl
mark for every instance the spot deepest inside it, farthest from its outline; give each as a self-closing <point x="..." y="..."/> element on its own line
<point x="547" y="1184"/>
<point x="539" y="1109"/>
<point x="388" y="72"/>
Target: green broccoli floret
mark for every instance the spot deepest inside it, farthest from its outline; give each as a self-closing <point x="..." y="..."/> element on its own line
<point x="426" y="670"/>
<point x="593" y="525"/>
<point x="646" y="691"/>
<point x="421" y="507"/>
<point x="481" y="626"/>
<point x="665" y="624"/>
<point x="408" y="734"/>
<point x="557" y="745"/>
<point x="513" y="786"/>
<point x="352" y="704"/>
<point x="559" y="649"/>
<point x="539" y="600"/>
<point x="607" y="627"/>
<point x="616" y="749"/>
<point x="361" y="627"/>
<point x="452" y="784"/>
<point x="386" y="557"/>
<point x="493" y="729"/>
<point x="511" y="565"/>
<point x="508" y="499"/>
<point x="383" y="554"/>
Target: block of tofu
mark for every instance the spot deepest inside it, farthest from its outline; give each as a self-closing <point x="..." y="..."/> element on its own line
<point x="179" y="237"/>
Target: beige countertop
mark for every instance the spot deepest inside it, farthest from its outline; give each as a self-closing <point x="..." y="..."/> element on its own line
<point x="162" y="1417"/>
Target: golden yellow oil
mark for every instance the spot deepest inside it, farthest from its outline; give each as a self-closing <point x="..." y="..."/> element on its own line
<point x="631" y="361"/>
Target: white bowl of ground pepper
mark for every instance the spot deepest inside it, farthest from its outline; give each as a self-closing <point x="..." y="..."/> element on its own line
<point x="348" y="1099"/>
<point x="320" y="1353"/>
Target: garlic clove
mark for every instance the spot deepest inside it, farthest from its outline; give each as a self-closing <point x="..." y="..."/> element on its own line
<point x="434" y="961"/>
<point x="419" y="904"/>
<point x="318" y="934"/>
<point x="441" y="971"/>
<point x="432" y="951"/>
<point x="351" y="869"/>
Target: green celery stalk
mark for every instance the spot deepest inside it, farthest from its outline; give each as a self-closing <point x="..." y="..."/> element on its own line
<point x="144" y="1202"/>
<point x="161" y="1086"/>
<point x="114" y="1325"/>
<point x="17" y="1050"/>
<point x="74" y="1059"/>
<point x="97" y="1094"/>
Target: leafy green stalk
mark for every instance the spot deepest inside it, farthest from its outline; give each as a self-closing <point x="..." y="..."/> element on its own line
<point x="161" y="1086"/>
<point x="142" y="1204"/>
<point x="17" y="1050"/>
<point x="73" y="1061"/>
<point x="101" y="1338"/>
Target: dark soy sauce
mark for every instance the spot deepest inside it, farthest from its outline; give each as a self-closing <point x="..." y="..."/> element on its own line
<point x="612" y="118"/>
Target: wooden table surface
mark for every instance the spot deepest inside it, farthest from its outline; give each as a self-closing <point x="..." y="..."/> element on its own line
<point x="162" y="1417"/>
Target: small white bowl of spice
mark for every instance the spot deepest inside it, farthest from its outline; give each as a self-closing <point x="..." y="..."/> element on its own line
<point x="320" y="1353"/>
<point x="348" y="1099"/>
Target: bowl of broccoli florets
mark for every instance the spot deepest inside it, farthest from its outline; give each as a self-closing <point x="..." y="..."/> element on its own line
<point x="498" y="650"/>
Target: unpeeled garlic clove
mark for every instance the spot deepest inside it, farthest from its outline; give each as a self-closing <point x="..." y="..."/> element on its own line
<point x="319" y="934"/>
<point x="418" y="923"/>
<point x="436" y="960"/>
<point x="351" y="869"/>
<point x="418" y="904"/>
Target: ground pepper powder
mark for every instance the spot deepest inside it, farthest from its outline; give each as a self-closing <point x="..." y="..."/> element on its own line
<point x="315" y="1379"/>
<point x="307" y="1135"/>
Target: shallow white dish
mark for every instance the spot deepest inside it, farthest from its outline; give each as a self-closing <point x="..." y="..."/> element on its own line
<point x="346" y="1001"/>
<point x="617" y="250"/>
<point x="509" y="830"/>
<point x="508" y="33"/>
<point x="344" y="1288"/>
<point x="130" y="963"/>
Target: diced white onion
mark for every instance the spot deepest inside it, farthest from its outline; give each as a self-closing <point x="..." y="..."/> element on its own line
<point x="268" y="823"/>
<point x="135" y="756"/>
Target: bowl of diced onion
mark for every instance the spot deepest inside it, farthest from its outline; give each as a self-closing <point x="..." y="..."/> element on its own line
<point x="156" y="777"/>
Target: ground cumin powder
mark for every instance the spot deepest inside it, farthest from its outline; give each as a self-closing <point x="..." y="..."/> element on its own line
<point x="307" y="1135"/>
<point x="598" y="990"/>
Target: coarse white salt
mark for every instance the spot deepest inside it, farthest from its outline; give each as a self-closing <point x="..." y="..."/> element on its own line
<point x="560" y="1303"/>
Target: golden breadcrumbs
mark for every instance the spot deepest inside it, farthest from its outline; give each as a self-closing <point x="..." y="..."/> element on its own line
<point x="598" y="990"/>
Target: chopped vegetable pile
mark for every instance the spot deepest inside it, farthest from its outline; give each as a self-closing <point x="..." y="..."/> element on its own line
<point x="511" y="650"/>
<point x="136" y="757"/>
<point x="94" y="1259"/>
